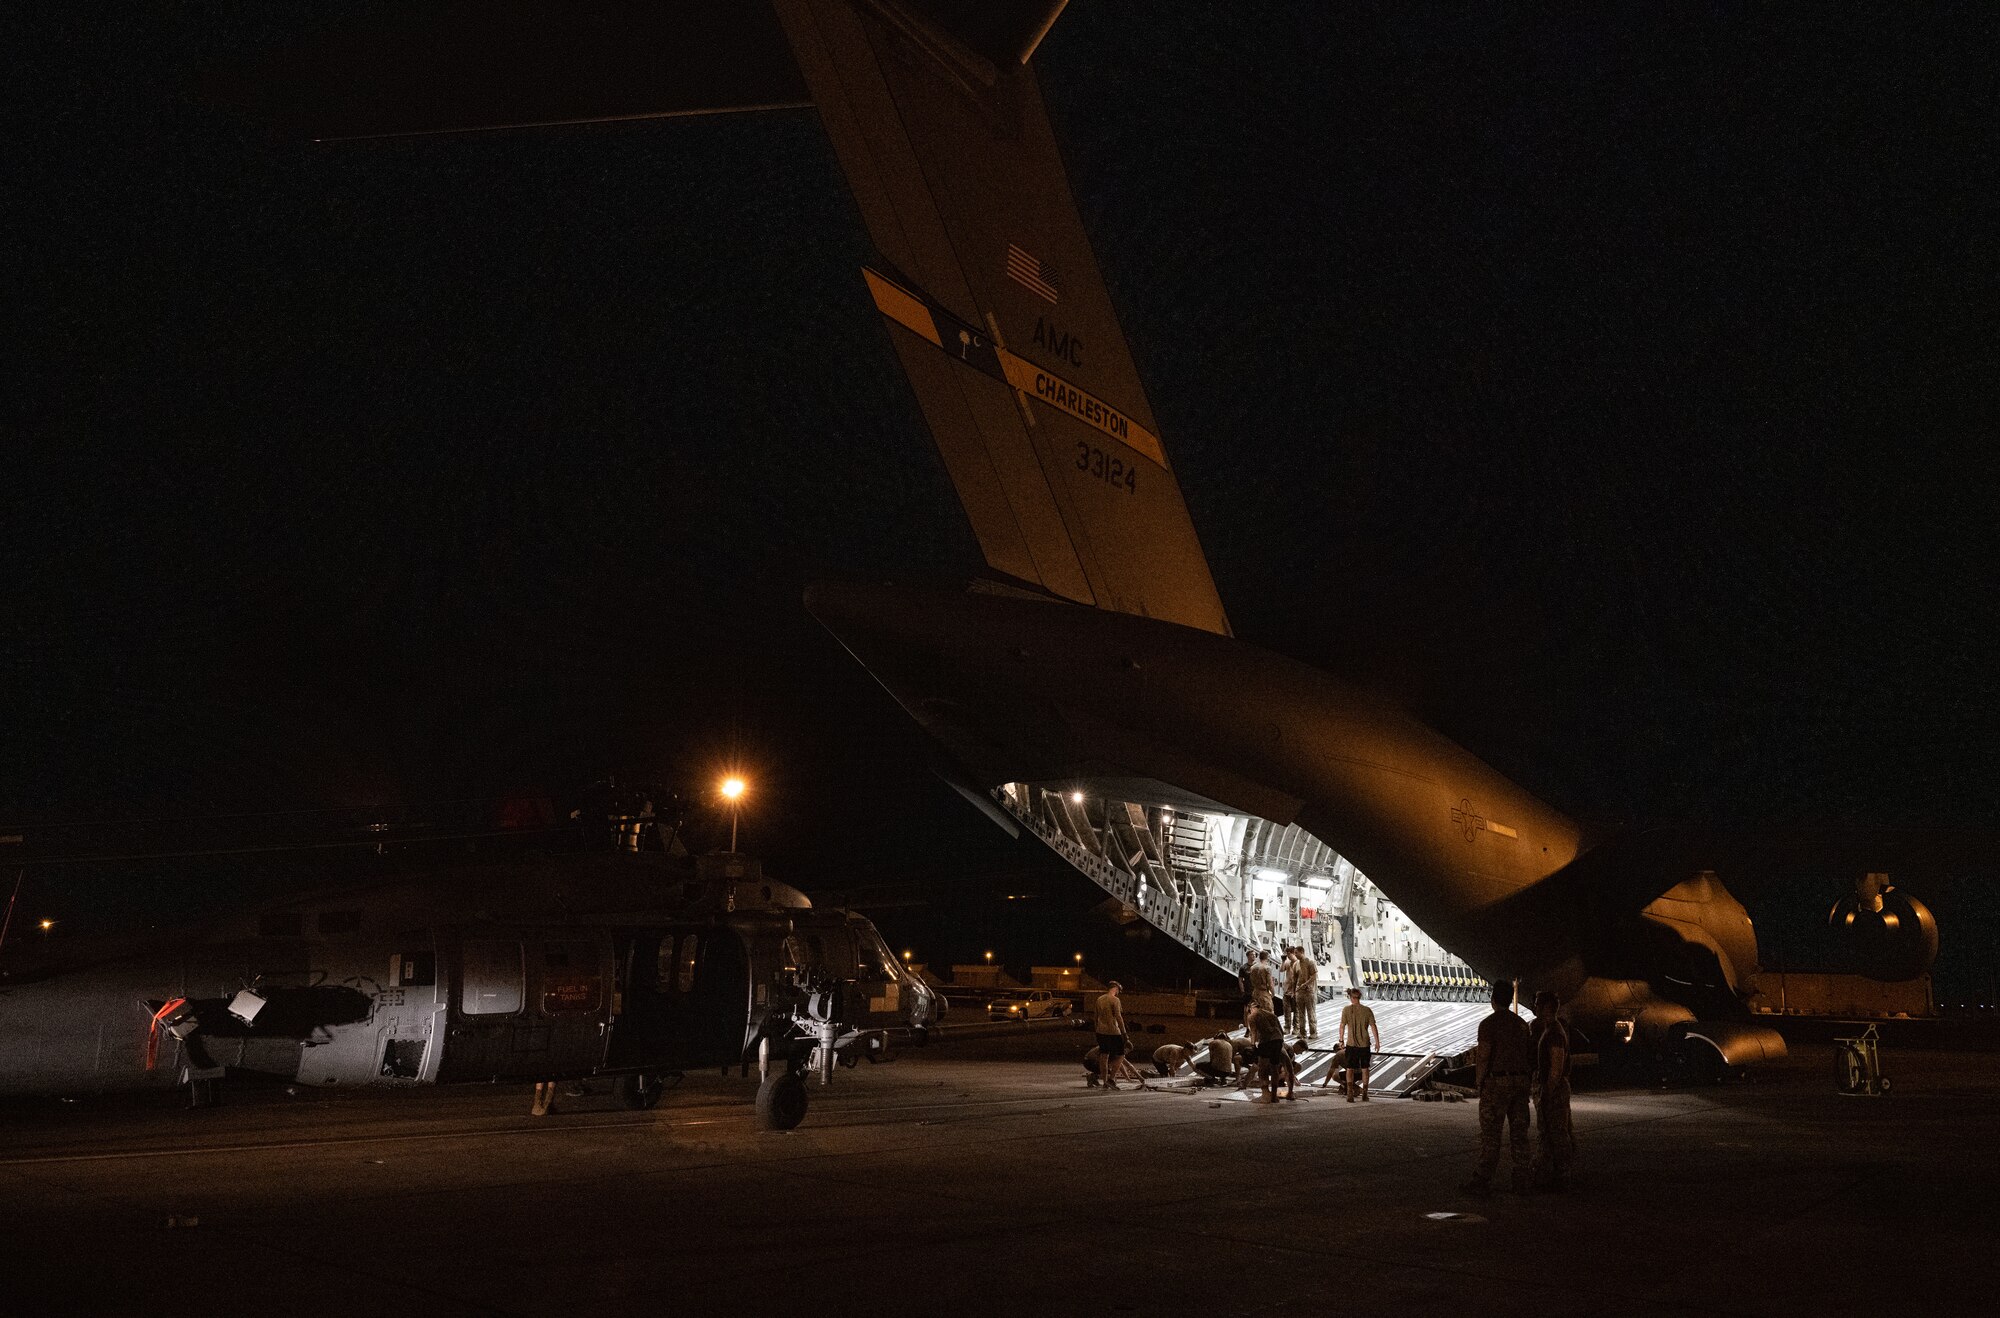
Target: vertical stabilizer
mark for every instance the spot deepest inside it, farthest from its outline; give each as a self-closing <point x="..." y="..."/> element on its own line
<point x="995" y="305"/>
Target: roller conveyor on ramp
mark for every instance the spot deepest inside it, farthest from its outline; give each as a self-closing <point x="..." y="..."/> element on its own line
<point x="1418" y="1038"/>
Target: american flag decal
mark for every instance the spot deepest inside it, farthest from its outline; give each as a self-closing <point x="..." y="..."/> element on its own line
<point x="1031" y="274"/>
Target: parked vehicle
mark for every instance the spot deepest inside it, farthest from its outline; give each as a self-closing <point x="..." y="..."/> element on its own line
<point x="1028" y="1005"/>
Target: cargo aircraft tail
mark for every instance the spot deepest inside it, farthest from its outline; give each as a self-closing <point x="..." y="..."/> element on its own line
<point x="997" y="310"/>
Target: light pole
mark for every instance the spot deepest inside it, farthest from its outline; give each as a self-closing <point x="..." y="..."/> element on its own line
<point x="732" y="792"/>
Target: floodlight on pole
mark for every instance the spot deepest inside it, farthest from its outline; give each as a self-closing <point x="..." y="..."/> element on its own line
<point x="732" y="792"/>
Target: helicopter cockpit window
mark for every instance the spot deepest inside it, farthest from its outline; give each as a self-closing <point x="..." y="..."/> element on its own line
<point x="492" y="977"/>
<point x="876" y="959"/>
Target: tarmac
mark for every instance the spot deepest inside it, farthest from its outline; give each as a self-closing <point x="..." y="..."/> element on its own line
<point x="981" y="1176"/>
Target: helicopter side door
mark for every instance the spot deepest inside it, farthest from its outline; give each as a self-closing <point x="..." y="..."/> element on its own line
<point x="571" y="1003"/>
<point x="685" y="998"/>
<point x="525" y="1006"/>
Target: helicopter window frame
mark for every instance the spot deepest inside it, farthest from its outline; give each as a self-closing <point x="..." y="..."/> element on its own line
<point x="484" y="986"/>
<point x="885" y="964"/>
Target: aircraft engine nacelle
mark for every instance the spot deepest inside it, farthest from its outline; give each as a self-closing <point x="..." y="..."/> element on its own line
<point x="1883" y="932"/>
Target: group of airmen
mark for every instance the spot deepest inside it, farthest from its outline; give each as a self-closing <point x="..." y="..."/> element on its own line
<point x="1264" y="1054"/>
<point x="1514" y="1063"/>
<point x="1290" y="992"/>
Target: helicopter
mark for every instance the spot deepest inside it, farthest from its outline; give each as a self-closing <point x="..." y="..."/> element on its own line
<point x="632" y="965"/>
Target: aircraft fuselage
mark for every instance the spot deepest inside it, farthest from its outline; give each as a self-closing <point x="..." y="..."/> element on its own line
<point x="1022" y="690"/>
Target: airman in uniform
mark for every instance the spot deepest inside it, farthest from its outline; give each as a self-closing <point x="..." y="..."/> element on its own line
<point x="1305" y="997"/>
<point x="1273" y="1062"/>
<point x="1221" y="1060"/>
<point x="1555" y="1139"/>
<point x="1295" y="982"/>
<point x="1113" y="1042"/>
<point x="1262" y="987"/>
<point x="1357" y="1028"/>
<point x="1506" y="1059"/>
<point x="1288" y="984"/>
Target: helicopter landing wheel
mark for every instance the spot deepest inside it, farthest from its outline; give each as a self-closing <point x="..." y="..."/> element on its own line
<point x="640" y="1092"/>
<point x="781" y="1101"/>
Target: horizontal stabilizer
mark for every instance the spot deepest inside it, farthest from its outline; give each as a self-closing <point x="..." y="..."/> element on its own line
<point x="1621" y="876"/>
<point x="445" y="66"/>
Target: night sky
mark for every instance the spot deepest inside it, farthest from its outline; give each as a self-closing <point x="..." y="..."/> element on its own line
<point x="1616" y="390"/>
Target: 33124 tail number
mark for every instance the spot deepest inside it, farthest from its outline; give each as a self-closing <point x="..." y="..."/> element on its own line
<point x="1107" y="467"/>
